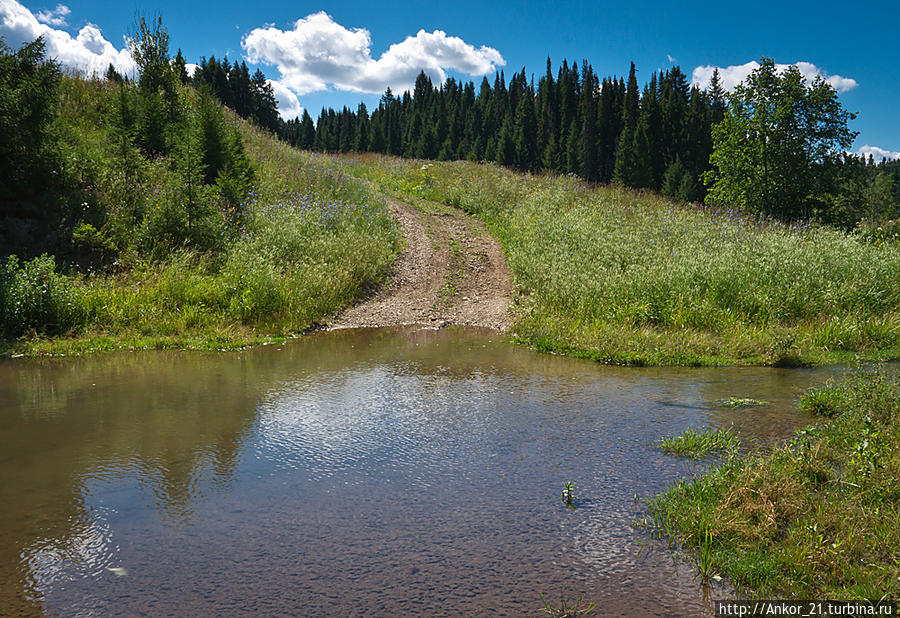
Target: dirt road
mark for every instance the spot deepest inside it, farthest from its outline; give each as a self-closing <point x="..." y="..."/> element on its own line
<point x="450" y="272"/>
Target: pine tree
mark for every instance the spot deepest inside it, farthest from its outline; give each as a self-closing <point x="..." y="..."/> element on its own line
<point x="189" y="160"/>
<point x="550" y="158"/>
<point x="264" y="104"/>
<point x="112" y="75"/>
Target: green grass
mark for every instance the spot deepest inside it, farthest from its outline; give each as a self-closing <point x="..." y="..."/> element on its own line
<point x="818" y="517"/>
<point x="696" y="444"/>
<point x="628" y="277"/>
<point x="311" y="240"/>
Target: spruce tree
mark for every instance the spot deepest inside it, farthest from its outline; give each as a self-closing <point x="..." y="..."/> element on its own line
<point x="641" y="175"/>
<point x="526" y="134"/>
<point x="672" y="178"/>
<point x="588" y="108"/>
<point x="573" y="148"/>
<point x="624" y="166"/>
<point x="716" y="95"/>
<point x="506" y="146"/>
<point x="362" y="129"/>
<point x="307" y="134"/>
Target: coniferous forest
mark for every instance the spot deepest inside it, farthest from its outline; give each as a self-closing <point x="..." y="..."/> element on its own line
<point x="604" y="130"/>
<point x="658" y="136"/>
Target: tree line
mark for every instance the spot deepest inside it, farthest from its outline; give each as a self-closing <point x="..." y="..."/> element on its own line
<point x="658" y="137"/>
<point x="775" y="146"/>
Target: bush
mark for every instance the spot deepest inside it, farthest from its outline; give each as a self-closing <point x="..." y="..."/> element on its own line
<point x="34" y="297"/>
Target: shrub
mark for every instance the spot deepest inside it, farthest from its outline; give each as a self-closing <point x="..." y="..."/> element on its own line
<point x="34" y="297"/>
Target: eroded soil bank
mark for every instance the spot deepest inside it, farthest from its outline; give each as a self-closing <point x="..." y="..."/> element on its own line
<point x="451" y="271"/>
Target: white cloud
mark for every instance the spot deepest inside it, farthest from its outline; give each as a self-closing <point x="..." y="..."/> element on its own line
<point x="671" y="58"/>
<point x="733" y="75"/>
<point x="56" y="17"/>
<point x="318" y="52"/>
<point x="87" y="53"/>
<point x="877" y="153"/>
<point x="288" y="104"/>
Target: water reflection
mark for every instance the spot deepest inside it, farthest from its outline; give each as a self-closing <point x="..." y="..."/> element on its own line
<point x="393" y="471"/>
<point x="75" y="432"/>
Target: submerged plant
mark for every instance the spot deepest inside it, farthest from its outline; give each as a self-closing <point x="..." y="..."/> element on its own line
<point x="568" y="494"/>
<point x="565" y="610"/>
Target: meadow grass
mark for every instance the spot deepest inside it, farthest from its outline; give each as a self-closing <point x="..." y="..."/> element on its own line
<point x="309" y="241"/>
<point x="818" y="517"/>
<point x="624" y="276"/>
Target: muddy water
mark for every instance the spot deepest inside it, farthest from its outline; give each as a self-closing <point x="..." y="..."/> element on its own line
<point x="376" y="472"/>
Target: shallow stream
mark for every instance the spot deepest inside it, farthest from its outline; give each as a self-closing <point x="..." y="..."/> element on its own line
<point x="371" y="471"/>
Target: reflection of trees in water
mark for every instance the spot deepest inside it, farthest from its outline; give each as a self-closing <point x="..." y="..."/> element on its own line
<point x="175" y="423"/>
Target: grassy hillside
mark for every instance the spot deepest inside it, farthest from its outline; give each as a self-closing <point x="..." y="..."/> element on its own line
<point x="150" y="255"/>
<point x="629" y="277"/>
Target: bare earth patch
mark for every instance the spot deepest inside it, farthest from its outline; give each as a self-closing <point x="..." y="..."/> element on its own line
<point x="451" y="271"/>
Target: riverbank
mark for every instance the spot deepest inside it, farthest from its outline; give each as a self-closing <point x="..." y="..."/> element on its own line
<point x="818" y="517"/>
<point x="627" y="277"/>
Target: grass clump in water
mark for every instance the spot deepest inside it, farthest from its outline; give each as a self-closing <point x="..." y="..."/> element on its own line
<point x="818" y="517"/>
<point x="564" y="610"/>
<point x="696" y="444"/>
<point x="631" y="277"/>
<point x="741" y="402"/>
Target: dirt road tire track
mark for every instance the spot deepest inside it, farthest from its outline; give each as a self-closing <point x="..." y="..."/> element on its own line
<point x="451" y="271"/>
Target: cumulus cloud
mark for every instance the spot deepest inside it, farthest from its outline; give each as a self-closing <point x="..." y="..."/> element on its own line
<point x="318" y="52"/>
<point x="288" y="104"/>
<point x="88" y="52"/>
<point x="733" y="75"/>
<point x="877" y="153"/>
<point x="56" y="17"/>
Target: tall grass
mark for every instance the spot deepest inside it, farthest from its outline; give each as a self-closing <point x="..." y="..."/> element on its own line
<point x="630" y="277"/>
<point x="816" y="518"/>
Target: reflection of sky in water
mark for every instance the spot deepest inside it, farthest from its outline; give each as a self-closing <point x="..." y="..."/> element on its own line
<point x="403" y="474"/>
<point x="384" y="417"/>
<point x="86" y="552"/>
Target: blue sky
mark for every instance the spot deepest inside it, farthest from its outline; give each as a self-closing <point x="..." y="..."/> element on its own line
<point x="340" y="51"/>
